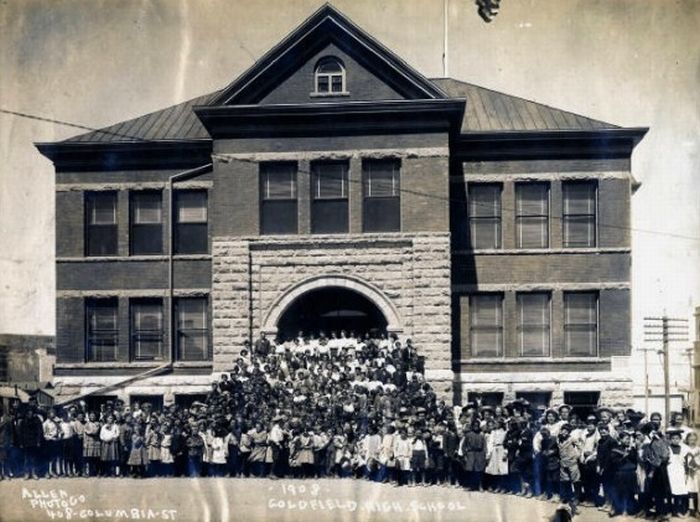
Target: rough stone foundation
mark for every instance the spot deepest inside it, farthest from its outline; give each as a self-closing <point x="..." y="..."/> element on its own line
<point x="408" y="273"/>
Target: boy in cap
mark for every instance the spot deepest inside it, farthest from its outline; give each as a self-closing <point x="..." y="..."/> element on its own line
<point x="570" y="475"/>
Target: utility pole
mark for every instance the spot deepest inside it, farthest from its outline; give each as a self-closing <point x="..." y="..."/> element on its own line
<point x="646" y="378"/>
<point x="665" y="330"/>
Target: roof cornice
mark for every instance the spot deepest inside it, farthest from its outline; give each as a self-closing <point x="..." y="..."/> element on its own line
<point x="234" y="121"/>
<point x="126" y="155"/>
<point x="540" y="144"/>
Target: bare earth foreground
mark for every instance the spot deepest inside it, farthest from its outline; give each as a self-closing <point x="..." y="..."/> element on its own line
<point x="227" y="500"/>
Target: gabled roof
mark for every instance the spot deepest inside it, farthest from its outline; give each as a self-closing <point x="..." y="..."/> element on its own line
<point x="488" y="110"/>
<point x="324" y="26"/>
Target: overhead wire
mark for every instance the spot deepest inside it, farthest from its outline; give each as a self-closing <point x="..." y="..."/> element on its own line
<point x="305" y="172"/>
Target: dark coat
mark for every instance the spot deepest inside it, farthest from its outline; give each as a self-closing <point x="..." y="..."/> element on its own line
<point x="31" y="432"/>
<point x="474" y="451"/>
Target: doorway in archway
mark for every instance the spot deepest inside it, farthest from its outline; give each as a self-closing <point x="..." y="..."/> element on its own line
<point x="331" y="309"/>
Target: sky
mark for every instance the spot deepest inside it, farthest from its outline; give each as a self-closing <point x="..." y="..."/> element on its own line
<point x="91" y="62"/>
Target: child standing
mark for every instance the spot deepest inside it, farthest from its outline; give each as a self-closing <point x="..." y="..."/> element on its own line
<point x="692" y="461"/>
<point x="153" y="437"/>
<point x="676" y="473"/>
<point x="167" y="461"/>
<point x="550" y="455"/>
<point x="138" y="456"/>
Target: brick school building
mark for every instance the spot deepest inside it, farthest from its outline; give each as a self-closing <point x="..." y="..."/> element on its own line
<point x="332" y="186"/>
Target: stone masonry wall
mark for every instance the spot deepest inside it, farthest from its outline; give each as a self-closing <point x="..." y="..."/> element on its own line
<point x="410" y="271"/>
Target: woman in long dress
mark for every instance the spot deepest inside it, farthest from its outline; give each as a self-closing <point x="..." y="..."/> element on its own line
<point x="109" y="436"/>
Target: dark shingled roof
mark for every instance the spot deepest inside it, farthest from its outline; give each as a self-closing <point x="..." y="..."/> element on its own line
<point x="489" y="110"/>
<point x="486" y="111"/>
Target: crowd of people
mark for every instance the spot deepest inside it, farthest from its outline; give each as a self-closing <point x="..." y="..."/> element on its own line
<point x="342" y="406"/>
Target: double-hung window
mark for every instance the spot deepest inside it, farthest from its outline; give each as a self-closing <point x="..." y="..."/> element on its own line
<point x="329" y="206"/>
<point x="101" y="223"/>
<point x="486" y="325"/>
<point x="579" y="214"/>
<point x="146" y="233"/>
<point x="102" y="333"/>
<point x="534" y="324"/>
<point x="191" y="229"/>
<point x="484" y="204"/>
<point x="329" y="76"/>
<point x="278" y="191"/>
<point x="382" y="202"/>
<point x="581" y="323"/>
<point x="192" y="329"/>
<point x="532" y="215"/>
<point x="147" y="329"/>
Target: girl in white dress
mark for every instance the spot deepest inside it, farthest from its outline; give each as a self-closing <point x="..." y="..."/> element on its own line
<point x="692" y="464"/>
<point x="676" y="473"/>
<point x="496" y="457"/>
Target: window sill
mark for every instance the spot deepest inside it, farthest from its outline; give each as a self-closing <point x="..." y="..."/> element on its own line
<point x="135" y="364"/>
<point x="530" y="360"/>
<point x="155" y="257"/>
<point x="329" y="94"/>
<point x="546" y="251"/>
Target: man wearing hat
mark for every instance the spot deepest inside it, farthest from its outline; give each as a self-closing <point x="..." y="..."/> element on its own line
<point x="588" y="462"/>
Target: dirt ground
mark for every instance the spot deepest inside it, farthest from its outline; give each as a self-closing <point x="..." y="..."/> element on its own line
<point x="229" y="500"/>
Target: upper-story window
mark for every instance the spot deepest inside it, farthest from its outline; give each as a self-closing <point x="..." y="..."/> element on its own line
<point x="100" y="223"/>
<point x="579" y="214"/>
<point x="191" y="228"/>
<point x="532" y="215"/>
<point x="146" y="234"/>
<point x="329" y="206"/>
<point x="382" y="202"/>
<point x="278" y="198"/>
<point x="329" y="76"/>
<point x="484" y="206"/>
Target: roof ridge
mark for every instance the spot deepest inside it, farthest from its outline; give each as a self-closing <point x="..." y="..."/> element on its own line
<point x="551" y="107"/>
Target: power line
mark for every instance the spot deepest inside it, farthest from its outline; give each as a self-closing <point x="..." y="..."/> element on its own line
<point x="309" y="173"/>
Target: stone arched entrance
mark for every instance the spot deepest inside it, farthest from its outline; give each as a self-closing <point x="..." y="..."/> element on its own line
<point x="331" y="303"/>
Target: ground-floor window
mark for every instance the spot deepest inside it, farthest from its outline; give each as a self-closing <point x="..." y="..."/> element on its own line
<point x="582" y="403"/>
<point x="486" y="399"/>
<point x="155" y="401"/>
<point x="147" y="329"/>
<point x="192" y="328"/>
<point x="185" y="400"/>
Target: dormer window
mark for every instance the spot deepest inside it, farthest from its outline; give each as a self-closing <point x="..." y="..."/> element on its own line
<point x="329" y="77"/>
